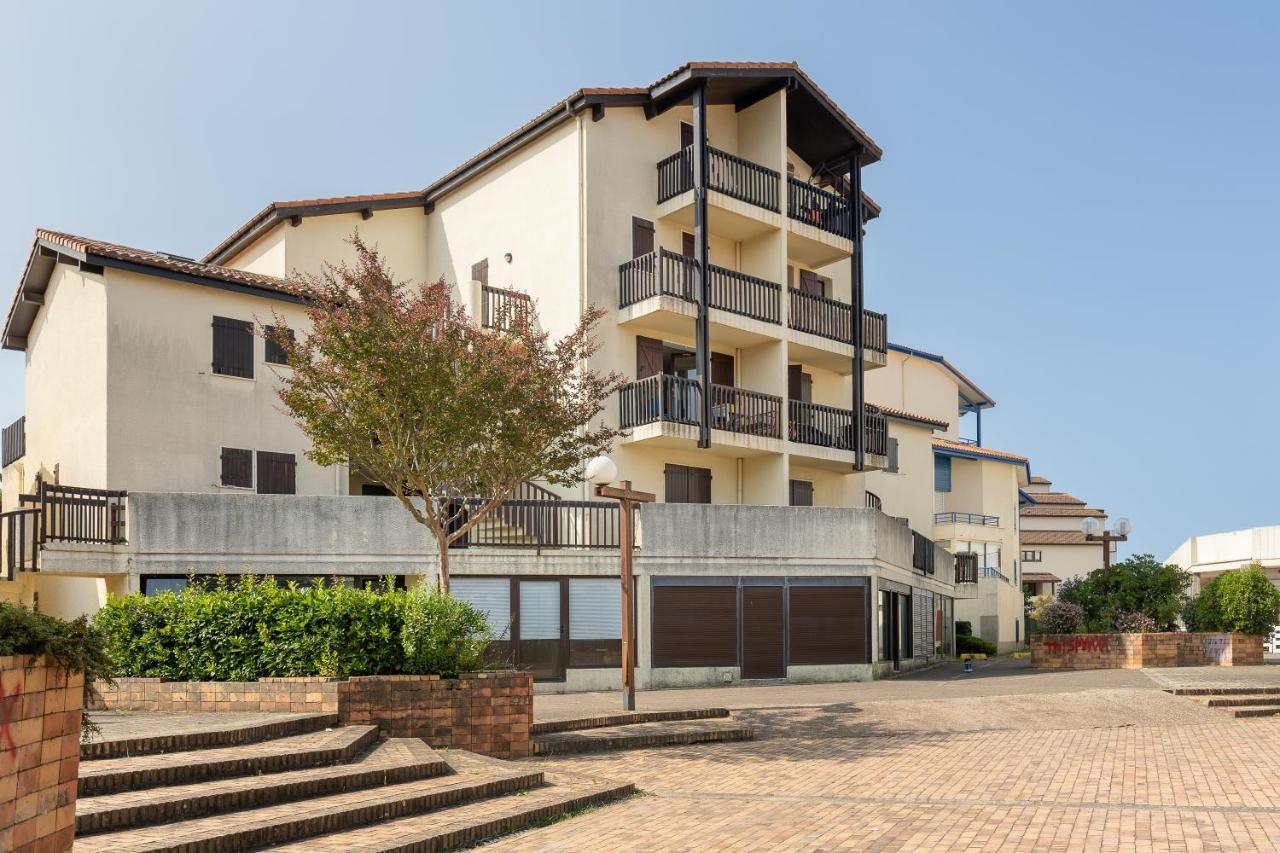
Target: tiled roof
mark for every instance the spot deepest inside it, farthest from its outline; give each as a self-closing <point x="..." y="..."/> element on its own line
<point x="975" y="450"/>
<point x="1057" y="498"/>
<point x="1061" y="510"/>
<point x="160" y="260"/>
<point x="903" y="414"/>
<point x="1055" y="537"/>
<point x="1040" y="577"/>
<point x="1041" y="481"/>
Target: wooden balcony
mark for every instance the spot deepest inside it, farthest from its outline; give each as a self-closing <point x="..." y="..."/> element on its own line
<point x="666" y="273"/>
<point x="727" y="173"/>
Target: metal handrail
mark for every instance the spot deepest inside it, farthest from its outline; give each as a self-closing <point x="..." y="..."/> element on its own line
<point x="966" y="518"/>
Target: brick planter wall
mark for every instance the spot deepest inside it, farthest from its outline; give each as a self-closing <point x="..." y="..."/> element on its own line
<point x="1135" y="651"/>
<point x="487" y="712"/>
<point x="40" y="707"/>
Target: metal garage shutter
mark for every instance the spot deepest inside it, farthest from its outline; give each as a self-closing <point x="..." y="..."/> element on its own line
<point x="828" y="624"/>
<point x="695" y="626"/>
<point x="922" y="623"/>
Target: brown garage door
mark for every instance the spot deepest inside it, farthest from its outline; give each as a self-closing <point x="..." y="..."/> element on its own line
<point x="763" y="651"/>
<point x="828" y="624"/>
<point x="695" y="626"/>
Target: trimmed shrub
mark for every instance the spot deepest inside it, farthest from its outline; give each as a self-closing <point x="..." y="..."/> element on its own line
<point x="74" y="644"/>
<point x="1140" y="584"/>
<point x="1131" y="622"/>
<point x="964" y="629"/>
<point x="969" y="644"/>
<point x="252" y="628"/>
<point x="1061" y="617"/>
<point x="1242" y="600"/>
<point x="441" y="634"/>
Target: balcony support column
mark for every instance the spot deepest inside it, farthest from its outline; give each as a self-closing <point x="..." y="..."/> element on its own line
<point x="702" y="262"/>
<point x="856" y="324"/>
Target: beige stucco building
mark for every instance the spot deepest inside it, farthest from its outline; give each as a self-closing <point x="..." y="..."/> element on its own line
<point x="1209" y="555"/>
<point x="1054" y="548"/>
<point x="763" y="383"/>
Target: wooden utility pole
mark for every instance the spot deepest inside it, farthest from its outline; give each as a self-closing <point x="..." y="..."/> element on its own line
<point x="1106" y="537"/>
<point x="627" y="498"/>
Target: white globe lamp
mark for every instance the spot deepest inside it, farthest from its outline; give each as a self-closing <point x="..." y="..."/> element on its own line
<point x="1123" y="526"/>
<point x="1090" y="526"/>
<point x="601" y="471"/>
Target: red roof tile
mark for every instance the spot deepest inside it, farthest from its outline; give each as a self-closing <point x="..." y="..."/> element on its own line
<point x="948" y="444"/>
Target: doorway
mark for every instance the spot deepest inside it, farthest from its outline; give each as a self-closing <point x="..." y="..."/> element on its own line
<point x="763" y="632"/>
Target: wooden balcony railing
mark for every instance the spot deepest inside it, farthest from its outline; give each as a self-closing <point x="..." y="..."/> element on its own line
<point x="76" y="514"/>
<point x="13" y="442"/>
<point x="820" y="208"/>
<point x="726" y="173"/>
<point x="922" y="553"/>
<point x="830" y="318"/>
<point x="676" y="400"/>
<point x="827" y="426"/>
<point x="20" y="533"/>
<point x="873" y="501"/>
<point x="875" y="331"/>
<point x="499" y="306"/>
<point x="966" y="567"/>
<point x="546" y="523"/>
<point x="666" y="273"/>
<point x="966" y="518"/>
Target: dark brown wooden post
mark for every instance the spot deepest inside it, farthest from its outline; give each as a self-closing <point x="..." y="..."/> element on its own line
<point x="627" y="498"/>
<point x="701" y="260"/>
<point x="859" y="342"/>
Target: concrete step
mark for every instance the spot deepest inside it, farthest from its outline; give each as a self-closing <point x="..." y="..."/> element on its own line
<point x="390" y="762"/>
<point x="112" y="775"/>
<point x="623" y="718"/>
<point x="1224" y="691"/>
<point x="641" y="735"/>
<point x="1241" y="701"/>
<point x="469" y="824"/>
<point x="251" y="829"/>
<point x="1269" y="711"/>
<point x="237" y="729"/>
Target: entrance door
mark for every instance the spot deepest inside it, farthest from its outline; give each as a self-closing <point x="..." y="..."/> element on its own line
<point x="543" y="644"/>
<point x="763" y="648"/>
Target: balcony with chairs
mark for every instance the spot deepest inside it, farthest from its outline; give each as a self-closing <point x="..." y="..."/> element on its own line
<point x="664" y="410"/>
<point x="823" y="435"/>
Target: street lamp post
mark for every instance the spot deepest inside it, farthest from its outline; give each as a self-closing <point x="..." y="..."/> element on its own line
<point x="602" y="471"/>
<point x="1094" y="532"/>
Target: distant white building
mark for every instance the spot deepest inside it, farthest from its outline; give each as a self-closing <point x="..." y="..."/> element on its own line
<point x="1208" y="556"/>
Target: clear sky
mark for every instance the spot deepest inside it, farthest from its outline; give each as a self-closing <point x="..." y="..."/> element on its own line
<point x="1080" y="197"/>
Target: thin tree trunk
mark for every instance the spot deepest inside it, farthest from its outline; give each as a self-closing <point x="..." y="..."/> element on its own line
<point x="443" y="543"/>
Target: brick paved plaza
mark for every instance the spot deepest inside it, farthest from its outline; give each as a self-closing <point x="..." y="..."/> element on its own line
<point x="1006" y="759"/>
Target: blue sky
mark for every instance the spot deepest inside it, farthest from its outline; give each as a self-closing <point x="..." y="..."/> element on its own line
<point x="1080" y="197"/>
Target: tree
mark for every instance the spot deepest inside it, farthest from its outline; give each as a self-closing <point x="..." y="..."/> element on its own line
<point x="396" y="381"/>
<point x="1140" y="584"/>
<point x="1242" y="600"/>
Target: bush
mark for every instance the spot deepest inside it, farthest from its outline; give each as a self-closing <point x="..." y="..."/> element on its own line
<point x="1061" y="617"/>
<point x="253" y="628"/>
<point x="1191" y="613"/>
<point x="969" y="644"/>
<point x="1242" y="600"/>
<point x="76" y="645"/>
<point x="1135" y="623"/>
<point x="1140" y="584"/>
<point x="441" y="634"/>
<point x="964" y="629"/>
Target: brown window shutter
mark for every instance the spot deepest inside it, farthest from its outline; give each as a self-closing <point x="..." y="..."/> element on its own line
<point x="828" y="624"/>
<point x="274" y="353"/>
<point x="801" y="493"/>
<point x="677" y="484"/>
<point x="233" y="347"/>
<point x="794" y="372"/>
<point x="810" y="283"/>
<point x="687" y="247"/>
<point x="277" y="473"/>
<point x="237" y="467"/>
<point x="695" y="626"/>
<point x="721" y="369"/>
<point x="686" y="134"/>
<point x="641" y="236"/>
<point x="648" y="357"/>
<point x="893" y="456"/>
<point x="700" y="485"/>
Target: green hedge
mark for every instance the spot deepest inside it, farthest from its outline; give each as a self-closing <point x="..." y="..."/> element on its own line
<point x="1243" y="600"/>
<point x="253" y="628"/>
<point x="969" y="644"/>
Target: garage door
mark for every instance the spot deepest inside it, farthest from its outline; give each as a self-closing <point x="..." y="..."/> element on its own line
<point x="828" y="624"/>
<point x="695" y="626"/>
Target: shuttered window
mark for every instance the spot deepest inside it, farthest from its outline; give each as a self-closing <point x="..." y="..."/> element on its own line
<point x="277" y="473"/>
<point x="922" y="623"/>
<point x="942" y="473"/>
<point x="687" y="485"/>
<point x="893" y="456"/>
<point x="828" y="624"/>
<point x="237" y="467"/>
<point x="801" y="493"/>
<point x="641" y="236"/>
<point x="480" y="271"/>
<point x="274" y="353"/>
<point x="595" y="622"/>
<point x="695" y="626"/>
<point x="233" y="347"/>
<point x="491" y="596"/>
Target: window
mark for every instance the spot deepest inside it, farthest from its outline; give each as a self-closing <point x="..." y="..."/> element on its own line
<point x="276" y="473"/>
<point x="942" y="473"/>
<point x="893" y="456"/>
<point x="641" y="237"/>
<point x="801" y="493"/>
<point x="595" y="622"/>
<point x="1032" y="556"/>
<point x="480" y="271"/>
<point x="233" y="347"/>
<point x="237" y="467"/>
<point x="686" y="485"/>
<point x="274" y="352"/>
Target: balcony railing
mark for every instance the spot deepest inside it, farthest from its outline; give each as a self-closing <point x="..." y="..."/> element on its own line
<point x="966" y="518"/>
<point x="20" y="532"/>
<point x="76" y="514"/>
<point x="819" y="208"/>
<point x="726" y="173"/>
<point x="499" y="306"/>
<point x="13" y="442"/>
<point x="873" y="501"/>
<point x="827" y="426"/>
<point x="676" y="400"/>
<point x="830" y="318"/>
<point x="966" y="567"/>
<point x="546" y="523"/>
<point x="667" y="273"/>
<point x="922" y="553"/>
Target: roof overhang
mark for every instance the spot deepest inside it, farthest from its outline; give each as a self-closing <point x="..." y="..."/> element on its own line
<point x="1024" y="465"/>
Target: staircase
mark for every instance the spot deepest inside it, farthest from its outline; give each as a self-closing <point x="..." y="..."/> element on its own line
<point x="637" y="730"/>
<point x="306" y="784"/>
<point x="1237" y="701"/>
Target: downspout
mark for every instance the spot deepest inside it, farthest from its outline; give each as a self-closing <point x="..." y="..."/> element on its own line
<point x="701" y="261"/>
<point x="582" y="247"/>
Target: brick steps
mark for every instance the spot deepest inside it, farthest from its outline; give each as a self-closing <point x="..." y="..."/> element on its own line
<point x="1263" y="711"/>
<point x="112" y="775"/>
<point x="641" y="735"/>
<point x="231" y="734"/>
<point x="390" y="762"/>
<point x="469" y="824"/>
<point x="1224" y="691"/>
<point x="1242" y="701"/>
<point x="626" y="718"/>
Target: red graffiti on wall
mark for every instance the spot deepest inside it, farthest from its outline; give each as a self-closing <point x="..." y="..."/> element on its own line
<point x="7" y="713"/>
<point x="1085" y="643"/>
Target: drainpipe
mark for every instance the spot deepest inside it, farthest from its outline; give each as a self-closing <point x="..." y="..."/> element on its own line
<point x="701" y="260"/>
<point x="855" y="277"/>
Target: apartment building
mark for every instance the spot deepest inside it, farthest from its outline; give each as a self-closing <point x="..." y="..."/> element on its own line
<point x="1054" y="548"/>
<point x="716" y="215"/>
